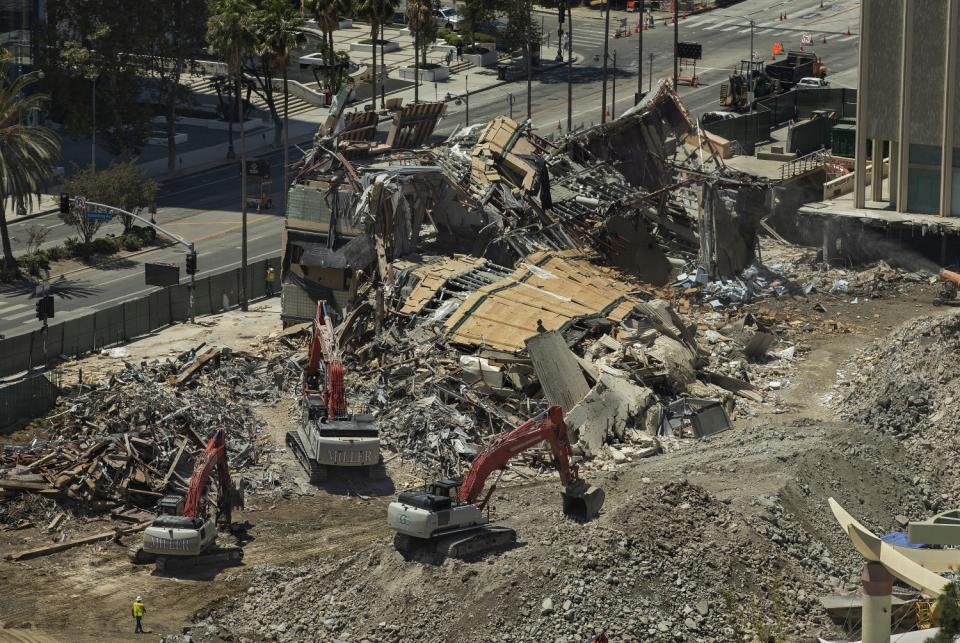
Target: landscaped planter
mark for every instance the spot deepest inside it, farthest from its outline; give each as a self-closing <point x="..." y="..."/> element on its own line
<point x="428" y="75"/>
<point x="161" y="139"/>
<point x="346" y="23"/>
<point x="483" y="58"/>
<point x="364" y="45"/>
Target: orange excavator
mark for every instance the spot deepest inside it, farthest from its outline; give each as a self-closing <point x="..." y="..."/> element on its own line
<point x="328" y="435"/>
<point x="948" y="290"/>
<point x="446" y="518"/>
<point x="186" y="529"/>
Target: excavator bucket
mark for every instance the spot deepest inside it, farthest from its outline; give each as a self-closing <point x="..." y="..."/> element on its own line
<point x="582" y="502"/>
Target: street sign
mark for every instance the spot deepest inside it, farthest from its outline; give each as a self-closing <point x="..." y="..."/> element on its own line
<point x="258" y="168"/>
<point x="99" y="216"/>
<point x="806" y="39"/>
<point x="689" y="50"/>
<point x="80" y="203"/>
<point x="161" y="274"/>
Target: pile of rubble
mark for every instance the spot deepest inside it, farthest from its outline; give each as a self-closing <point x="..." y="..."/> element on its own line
<point x="123" y="443"/>
<point x="904" y="386"/>
<point x="648" y="570"/>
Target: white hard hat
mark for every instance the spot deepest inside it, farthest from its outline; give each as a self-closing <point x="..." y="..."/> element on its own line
<point x="139" y="598"/>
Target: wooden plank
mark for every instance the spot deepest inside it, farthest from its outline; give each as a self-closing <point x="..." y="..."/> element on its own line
<point x="70" y="544"/>
<point x="20" y="485"/>
<point x="173" y="464"/>
<point x="198" y="363"/>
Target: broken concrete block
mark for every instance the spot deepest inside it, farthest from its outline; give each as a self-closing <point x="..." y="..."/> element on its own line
<point x="605" y="411"/>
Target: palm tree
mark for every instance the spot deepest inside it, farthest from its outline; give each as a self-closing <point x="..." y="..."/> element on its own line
<point x="376" y="12"/>
<point x="279" y="32"/>
<point x="230" y="32"/>
<point x="27" y="152"/>
<point x="327" y="13"/>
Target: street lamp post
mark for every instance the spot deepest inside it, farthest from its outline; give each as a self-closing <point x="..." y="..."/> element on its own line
<point x="752" y="88"/>
<point x="93" y="137"/>
<point x="640" y="49"/>
<point x="676" y="42"/>
<point x="650" y="74"/>
<point x="569" y="66"/>
<point x="606" y="49"/>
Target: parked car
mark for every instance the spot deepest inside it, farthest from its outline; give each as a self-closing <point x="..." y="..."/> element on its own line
<point x="448" y="18"/>
<point x="811" y="82"/>
<point x="713" y="117"/>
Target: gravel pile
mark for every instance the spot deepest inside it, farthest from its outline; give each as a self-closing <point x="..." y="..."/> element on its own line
<point x="906" y="386"/>
<point x="649" y="569"/>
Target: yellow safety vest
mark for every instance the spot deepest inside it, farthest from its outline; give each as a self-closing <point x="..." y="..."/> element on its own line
<point x="138" y="608"/>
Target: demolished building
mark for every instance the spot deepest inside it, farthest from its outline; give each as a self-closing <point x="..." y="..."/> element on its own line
<point x="450" y="266"/>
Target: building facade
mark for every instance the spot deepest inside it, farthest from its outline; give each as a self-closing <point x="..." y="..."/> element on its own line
<point x="20" y="23"/>
<point x="908" y="104"/>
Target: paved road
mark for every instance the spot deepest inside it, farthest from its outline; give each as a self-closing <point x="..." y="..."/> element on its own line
<point x="724" y="34"/>
<point x="203" y="207"/>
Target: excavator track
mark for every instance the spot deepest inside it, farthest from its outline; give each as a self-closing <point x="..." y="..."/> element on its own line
<point x="228" y="554"/>
<point x="316" y="471"/>
<point x="463" y="544"/>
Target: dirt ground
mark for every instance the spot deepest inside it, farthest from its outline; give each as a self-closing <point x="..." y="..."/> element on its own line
<point x="84" y="594"/>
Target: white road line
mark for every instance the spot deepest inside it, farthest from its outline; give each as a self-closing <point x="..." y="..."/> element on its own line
<point x="22" y="313"/>
<point x="731" y="28"/>
<point x="762" y="31"/>
<point x="718" y="25"/>
<point x="747" y="30"/>
<point x="696" y="22"/>
<point x="847" y="39"/>
<point x="4" y="309"/>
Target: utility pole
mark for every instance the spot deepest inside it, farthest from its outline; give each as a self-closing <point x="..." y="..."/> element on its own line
<point x="569" y="67"/>
<point x="243" y="201"/>
<point x="676" y="42"/>
<point x="93" y="137"/>
<point x="466" y="84"/>
<point x="640" y="48"/>
<point x="193" y="275"/>
<point x="650" y="75"/>
<point x="750" y="58"/>
<point x="613" y="101"/>
<point x="606" y="41"/>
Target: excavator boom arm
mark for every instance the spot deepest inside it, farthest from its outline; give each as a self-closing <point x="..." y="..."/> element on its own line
<point x="213" y="456"/>
<point x="548" y="426"/>
<point x="324" y="347"/>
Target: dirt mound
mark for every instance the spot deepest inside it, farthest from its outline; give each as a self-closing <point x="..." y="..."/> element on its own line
<point x="906" y="386"/>
<point x="683" y="551"/>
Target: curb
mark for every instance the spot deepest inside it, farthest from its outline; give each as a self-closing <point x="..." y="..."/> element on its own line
<point x="33" y="215"/>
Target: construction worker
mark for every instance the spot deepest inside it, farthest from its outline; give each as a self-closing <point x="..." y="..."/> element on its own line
<point x="138" y="611"/>
<point x="271" y="280"/>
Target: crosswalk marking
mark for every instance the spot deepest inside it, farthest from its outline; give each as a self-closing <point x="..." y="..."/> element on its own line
<point x="22" y="313"/>
<point x="762" y="31"/>
<point x="731" y="28"/>
<point x="696" y="22"/>
<point x="718" y="25"/>
<point x="4" y="309"/>
<point x="847" y="39"/>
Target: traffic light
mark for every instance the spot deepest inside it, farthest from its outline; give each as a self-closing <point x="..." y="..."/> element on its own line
<point x="561" y="11"/>
<point x="45" y="308"/>
<point x="191" y="263"/>
<point x="64" y="203"/>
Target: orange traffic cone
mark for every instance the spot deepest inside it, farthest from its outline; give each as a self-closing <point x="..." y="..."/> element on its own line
<point x="849" y="33"/>
<point x="645" y="27"/>
<point x="785" y="17"/>
<point x="558" y="125"/>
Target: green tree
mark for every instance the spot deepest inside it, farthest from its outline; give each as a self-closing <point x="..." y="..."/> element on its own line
<point x="27" y="152"/>
<point x="475" y="13"/>
<point x="424" y="30"/>
<point x="122" y="185"/>
<point x="230" y="33"/>
<point x="98" y="47"/>
<point x="177" y="33"/>
<point x="948" y="615"/>
<point x="279" y="31"/>
<point x="376" y="13"/>
<point x="328" y="14"/>
<point x="521" y="31"/>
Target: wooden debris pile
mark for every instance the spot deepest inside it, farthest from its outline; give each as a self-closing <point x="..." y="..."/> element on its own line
<point x="132" y="439"/>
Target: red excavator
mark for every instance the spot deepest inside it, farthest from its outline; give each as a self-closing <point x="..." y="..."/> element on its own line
<point x="446" y="518"/>
<point x="948" y="289"/>
<point x="328" y="435"/>
<point x="186" y="530"/>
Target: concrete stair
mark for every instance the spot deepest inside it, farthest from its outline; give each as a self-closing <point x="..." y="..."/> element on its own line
<point x="204" y="85"/>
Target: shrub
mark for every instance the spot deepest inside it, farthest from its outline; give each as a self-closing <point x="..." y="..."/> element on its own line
<point x="56" y="253"/>
<point x="73" y="247"/>
<point x="34" y="263"/>
<point x="105" y="245"/>
<point x="131" y="242"/>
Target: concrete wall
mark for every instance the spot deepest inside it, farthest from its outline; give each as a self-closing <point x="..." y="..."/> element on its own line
<point x="127" y="320"/>
<point x="28" y="398"/>
<point x="883" y="72"/>
<point x="927" y="63"/>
